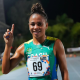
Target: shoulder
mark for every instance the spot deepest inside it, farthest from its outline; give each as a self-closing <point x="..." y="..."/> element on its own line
<point x="29" y="41"/>
<point x="58" y="43"/>
<point x="51" y="38"/>
<point x="20" y="49"/>
<point x="59" y="47"/>
<point x="19" y="53"/>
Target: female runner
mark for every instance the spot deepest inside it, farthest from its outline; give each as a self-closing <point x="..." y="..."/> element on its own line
<point x="43" y="54"/>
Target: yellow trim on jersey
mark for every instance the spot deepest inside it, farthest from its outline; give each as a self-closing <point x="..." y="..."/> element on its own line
<point x="51" y="38"/>
<point x="48" y="37"/>
<point x="29" y="41"/>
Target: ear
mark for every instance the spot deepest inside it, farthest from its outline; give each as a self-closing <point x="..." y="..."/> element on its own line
<point x="46" y="26"/>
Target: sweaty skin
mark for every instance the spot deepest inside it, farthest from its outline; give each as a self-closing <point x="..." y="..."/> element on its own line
<point x="38" y="33"/>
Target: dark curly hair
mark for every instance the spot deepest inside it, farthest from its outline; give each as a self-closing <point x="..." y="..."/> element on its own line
<point x="37" y="8"/>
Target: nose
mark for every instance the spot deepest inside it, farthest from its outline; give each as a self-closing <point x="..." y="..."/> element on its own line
<point x="36" y="26"/>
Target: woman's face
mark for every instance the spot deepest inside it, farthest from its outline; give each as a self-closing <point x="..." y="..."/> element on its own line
<point x="37" y="25"/>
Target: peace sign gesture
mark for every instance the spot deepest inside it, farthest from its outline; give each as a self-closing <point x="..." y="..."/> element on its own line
<point x="8" y="36"/>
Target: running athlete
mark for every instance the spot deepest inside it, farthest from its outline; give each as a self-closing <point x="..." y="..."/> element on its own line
<point x="43" y="54"/>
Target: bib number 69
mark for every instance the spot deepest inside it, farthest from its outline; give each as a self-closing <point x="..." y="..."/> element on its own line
<point x="37" y="66"/>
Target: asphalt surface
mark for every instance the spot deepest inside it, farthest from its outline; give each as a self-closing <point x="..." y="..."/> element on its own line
<point x="21" y="74"/>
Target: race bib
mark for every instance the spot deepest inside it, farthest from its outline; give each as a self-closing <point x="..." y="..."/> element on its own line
<point x="38" y="66"/>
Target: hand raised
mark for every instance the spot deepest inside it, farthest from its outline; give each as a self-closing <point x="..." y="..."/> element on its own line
<point x="12" y="29"/>
<point x="8" y="36"/>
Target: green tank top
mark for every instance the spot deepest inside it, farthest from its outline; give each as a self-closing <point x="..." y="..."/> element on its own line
<point x="41" y="62"/>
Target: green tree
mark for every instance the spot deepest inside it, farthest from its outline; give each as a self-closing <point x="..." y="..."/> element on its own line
<point x="64" y="19"/>
<point x="57" y="30"/>
<point x="75" y="33"/>
<point x="68" y="22"/>
<point x="62" y="29"/>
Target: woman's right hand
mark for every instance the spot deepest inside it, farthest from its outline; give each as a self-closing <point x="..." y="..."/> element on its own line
<point x="8" y="36"/>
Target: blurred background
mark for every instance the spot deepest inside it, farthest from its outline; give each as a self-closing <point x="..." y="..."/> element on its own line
<point x="63" y="19"/>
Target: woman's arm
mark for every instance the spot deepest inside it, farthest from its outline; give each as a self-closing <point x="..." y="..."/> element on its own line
<point x="60" y="54"/>
<point x="7" y="62"/>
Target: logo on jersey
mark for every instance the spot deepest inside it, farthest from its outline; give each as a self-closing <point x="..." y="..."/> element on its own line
<point x="29" y="50"/>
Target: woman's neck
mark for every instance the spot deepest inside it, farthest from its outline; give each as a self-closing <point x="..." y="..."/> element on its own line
<point x="38" y="41"/>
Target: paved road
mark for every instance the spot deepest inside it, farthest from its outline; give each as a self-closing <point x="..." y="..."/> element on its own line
<point x="73" y="68"/>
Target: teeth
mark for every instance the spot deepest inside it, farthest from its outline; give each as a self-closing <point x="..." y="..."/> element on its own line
<point x="36" y="31"/>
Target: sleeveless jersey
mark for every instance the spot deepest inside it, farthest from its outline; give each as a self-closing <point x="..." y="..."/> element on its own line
<point x="41" y="62"/>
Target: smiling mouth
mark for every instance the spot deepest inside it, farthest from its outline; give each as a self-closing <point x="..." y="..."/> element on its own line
<point x="36" y="32"/>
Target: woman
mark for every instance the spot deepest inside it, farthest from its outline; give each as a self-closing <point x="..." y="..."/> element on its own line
<point x="42" y="53"/>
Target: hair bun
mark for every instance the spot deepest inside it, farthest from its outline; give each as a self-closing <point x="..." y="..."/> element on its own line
<point x="37" y="8"/>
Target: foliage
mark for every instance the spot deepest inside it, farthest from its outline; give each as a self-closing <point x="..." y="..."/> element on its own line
<point x="75" y="34"/>
<point x="76" y="29"/>
<point x="64" y="19"/>
<point x="0" y="68"/>
<point x="61" y="29"/>
<point x="58" y="30"/>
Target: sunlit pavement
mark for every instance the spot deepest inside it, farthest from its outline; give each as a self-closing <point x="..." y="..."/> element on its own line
<point x="73" y="64"/>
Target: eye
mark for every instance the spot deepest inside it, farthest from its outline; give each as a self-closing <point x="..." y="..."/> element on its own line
<point x="39" y="24"/>
<point x="32" y="24"/>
